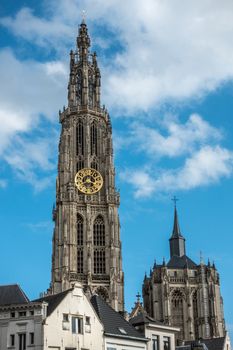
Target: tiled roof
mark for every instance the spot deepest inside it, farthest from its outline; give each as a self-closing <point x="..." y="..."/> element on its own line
<point x="12" y="294"/>
<point x="212" y="344"/>
<point x="114" y="324"/>
<point x="53" y="300"/>
<point x="143" y="318"/>
<point x="180" y="262"/>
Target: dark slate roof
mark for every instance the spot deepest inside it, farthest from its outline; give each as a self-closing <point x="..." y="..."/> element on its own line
<point x="53" y="300"/>
<point x="113" y="321"/>
<point x="212" y="344"/>
<point x="12" y="294"/>
<point x="176" y="233"/>
<point x="180" y="262"/>
<point x="143" y="318"/>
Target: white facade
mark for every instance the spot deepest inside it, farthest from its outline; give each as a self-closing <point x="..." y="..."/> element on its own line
<point x="114" y="343"/>
<point x="73" y="324"/>
<point x="162" y="336"/>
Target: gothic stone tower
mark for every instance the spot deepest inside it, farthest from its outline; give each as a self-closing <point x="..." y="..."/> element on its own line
<point x="184" y="294"/>
<point x="86" y="240"/>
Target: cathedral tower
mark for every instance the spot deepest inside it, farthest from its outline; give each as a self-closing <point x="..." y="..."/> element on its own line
<point x="185" y="294"/>
<point x="86" y="239"/>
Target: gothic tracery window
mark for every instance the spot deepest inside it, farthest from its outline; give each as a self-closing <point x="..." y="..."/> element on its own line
<point x="177" y="309"/>
<point x="79" y="139"/>
<point x="79" y="244"/>
<point x="80" y="164"/>
<point x="79" y="87"/>
<point x="93" y="139"/>
<point x="195" y="314"/>
<point x="99" y="246"/>
<point x="90" y="90"/>
<point x="99" y="232"/>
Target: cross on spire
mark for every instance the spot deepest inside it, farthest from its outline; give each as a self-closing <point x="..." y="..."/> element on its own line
<point x="175" y="199"/>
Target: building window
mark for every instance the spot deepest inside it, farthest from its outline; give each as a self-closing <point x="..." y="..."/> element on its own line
<point x="22" y="314"/>
<point x="22" y="341"/>
<point x="79" y="87"/>
<point x="195" y="315"/>
<point x="32" y="338"/>
<point x="93" y="139"/>
<point x="12" y="340"/>
<point x="79" y="139"/>
<point x="31" y="312"/>
<point x="80" y="164"/>
<point x="90" y="90"/>
<point x="99" y="261"/>
<point x="99" y="232"/>
<point x="155" y="342"/>
<point x="88" y="322"/>
<point x="166" y="343"/>
<point x="65" y="317"/>
<point x="80" y="244"/>
<point x="77" y="325"/>
<point x="12" y="314"/>
<point x="79" y="230"/>
<point x="177" y="311"/>
<point x="80" y="260"/>
<point x="94" y="165"/>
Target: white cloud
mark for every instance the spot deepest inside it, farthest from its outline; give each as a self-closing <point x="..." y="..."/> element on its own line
<point x="169" y="50"/>
<point x="30" y="92"/>
<point x="34" y="160"/>
<point x="177" y="138"/>
<point x="206" y="166"/>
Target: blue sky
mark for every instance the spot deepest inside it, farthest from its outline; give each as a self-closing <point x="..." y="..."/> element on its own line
<point x="167" y="81"/>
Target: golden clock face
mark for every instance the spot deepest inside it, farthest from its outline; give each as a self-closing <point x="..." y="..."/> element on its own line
<point x="88" y="180"/>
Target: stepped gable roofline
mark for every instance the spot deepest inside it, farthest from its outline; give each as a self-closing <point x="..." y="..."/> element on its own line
<point x="181" y="262"/>
<point x="114" y="323"/>
<point x="12" y="294"/>
<point x="53" y="300"/>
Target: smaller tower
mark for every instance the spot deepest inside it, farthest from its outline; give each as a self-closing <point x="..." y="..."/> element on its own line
<point x="184" y="294"/>
<point x="177" y="241"/>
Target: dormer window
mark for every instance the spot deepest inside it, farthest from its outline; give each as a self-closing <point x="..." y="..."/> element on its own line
<point x="122" y="330"/>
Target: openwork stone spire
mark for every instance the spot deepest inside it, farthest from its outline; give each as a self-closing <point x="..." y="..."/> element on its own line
<point x="86" y="240"/>
<point x="85" y="79"/>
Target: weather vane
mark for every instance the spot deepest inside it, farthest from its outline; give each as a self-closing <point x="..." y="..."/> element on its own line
<point x="84" y="15"/>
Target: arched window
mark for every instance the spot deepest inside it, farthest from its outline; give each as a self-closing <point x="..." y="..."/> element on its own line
<point x="79" y="230"/>
<point x="99" y="232"/>
<point x="99" y="246"/>
<point x="195" y="314"/>
<point x="177" y="310"/>
<point x="94" y="165"/>
<point x="79" y="139"/>
<point x="93" y="139"/>
<point x="90" y="90"/>
<point x="79" y="87"/>
<point x="99" y="261"/>
<point x="80" y="164"/>
<point x="79" y="244"/>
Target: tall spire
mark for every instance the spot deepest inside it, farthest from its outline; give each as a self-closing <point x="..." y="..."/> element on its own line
<point x="85" y="78"/>
<point x="83" y="42"/>
<point x="177" y="241"/>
